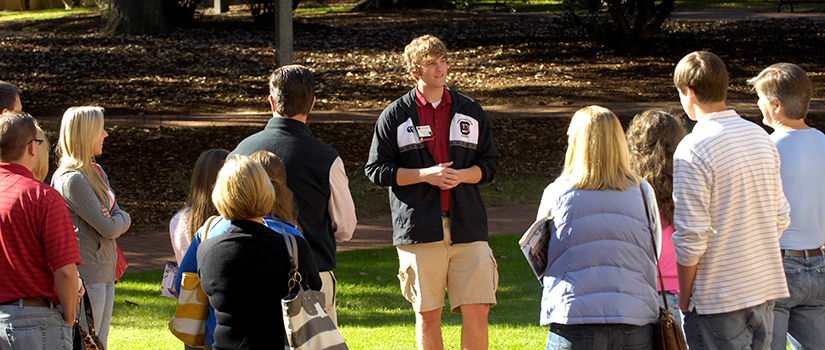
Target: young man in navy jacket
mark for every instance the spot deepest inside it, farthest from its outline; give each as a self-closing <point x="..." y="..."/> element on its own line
<point x="433" y="147"/>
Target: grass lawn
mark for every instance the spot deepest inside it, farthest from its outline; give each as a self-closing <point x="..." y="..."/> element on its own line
<point x="371" y="310"/>
<point x="41" y="14"/>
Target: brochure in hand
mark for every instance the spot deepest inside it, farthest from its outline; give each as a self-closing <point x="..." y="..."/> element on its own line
<point x="534" y="245"/>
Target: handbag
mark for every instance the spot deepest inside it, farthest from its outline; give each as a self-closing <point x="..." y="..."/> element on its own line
<point x="666" y="335"/>
<point x="121" y="265"/>
<point x="189" y="322"/>
<point x="307" y="326"/>
<point x="80" y="339"/>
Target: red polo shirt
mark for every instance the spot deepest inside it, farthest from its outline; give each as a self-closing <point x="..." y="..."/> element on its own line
<point x="36" y="236"/>
<point x="439" y="121"/>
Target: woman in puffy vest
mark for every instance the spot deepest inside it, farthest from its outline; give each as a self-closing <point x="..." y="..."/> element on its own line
<point x="600" y="282"/>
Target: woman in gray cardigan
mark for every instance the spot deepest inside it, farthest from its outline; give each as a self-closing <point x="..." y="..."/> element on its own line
<point x="97" y="218"/>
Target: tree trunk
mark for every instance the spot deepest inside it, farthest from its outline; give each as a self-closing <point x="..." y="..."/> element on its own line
<point x="647" y="21"/>
<point x="131" y="17"/>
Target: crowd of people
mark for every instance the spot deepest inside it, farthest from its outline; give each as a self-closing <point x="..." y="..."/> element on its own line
<point x="734" y="217"/>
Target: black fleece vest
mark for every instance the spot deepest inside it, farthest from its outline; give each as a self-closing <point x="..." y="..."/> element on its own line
<point x="307" y="161"/>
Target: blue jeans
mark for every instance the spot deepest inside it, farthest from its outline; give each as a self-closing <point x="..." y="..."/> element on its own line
<point x="803" y="314"/>
<point x="33" y="328"/>
<point x="673" y="306"/>
<point x="599" y="336"/>
<point x="749" y="328"/>
<point x="102" y="298"/>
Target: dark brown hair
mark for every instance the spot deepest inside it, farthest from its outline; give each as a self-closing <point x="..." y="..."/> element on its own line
<point x="17" y="129"/>
<point x="199" y="201"/>
<point x="292" y="89"/>
<point x="652" y="138"/>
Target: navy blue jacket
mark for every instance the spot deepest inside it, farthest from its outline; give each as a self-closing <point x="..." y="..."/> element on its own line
<point x="416" y="209"/>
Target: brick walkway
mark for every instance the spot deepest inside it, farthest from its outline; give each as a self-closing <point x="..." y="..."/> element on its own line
<point x="147" y="252"/>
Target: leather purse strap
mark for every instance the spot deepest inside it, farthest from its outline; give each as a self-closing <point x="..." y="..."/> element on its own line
<point x="90" y="318"/>
<point x="292" y="249"/>
<point x="653" y="242"/>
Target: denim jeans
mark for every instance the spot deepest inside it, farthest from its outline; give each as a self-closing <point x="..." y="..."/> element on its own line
<point x="33" y="328"/>
<point x="673" y="306"/>
<point x="102" y="298"/>
<point x="599" y="337"/>
<point x="803" y="314"/>
<point x="749" y="328"/>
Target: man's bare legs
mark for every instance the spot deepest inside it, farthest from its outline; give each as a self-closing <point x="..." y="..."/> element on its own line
<point x="474" y="326"/>
<point x="428" y="330"/>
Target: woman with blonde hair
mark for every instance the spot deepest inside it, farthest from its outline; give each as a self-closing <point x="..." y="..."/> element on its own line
<point x="198" y="206"/>
<point x="41" y="169"/>
<point x="279" y="219"/>
<point x="245" y="269"/>
<point x="97" y="218"/>
<point x="599" y="285"/>
<point x="652" y="138"/>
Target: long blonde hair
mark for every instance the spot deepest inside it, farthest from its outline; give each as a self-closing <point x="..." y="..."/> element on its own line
<point x="41" y="169"/>
<point x="597" y="156"/>
<point x="79" y="130"/>
<point x="283" y="207"/>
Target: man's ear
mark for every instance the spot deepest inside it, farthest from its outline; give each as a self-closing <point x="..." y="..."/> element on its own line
<point x="777" y="107"/>
<point x="30" y="148"/>
<point x="272" y="103"/>
<point x="313" y="104"/>
<point x="415" y="74"/>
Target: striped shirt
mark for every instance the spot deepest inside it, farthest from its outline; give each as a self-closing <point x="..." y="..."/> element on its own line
<point x="729" y="214"/>
<point x="36" y="236"/>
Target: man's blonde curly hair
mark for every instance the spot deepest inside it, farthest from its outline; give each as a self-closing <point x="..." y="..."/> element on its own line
<point x="422" y="48"/>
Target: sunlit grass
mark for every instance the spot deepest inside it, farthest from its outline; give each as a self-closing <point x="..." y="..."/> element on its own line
<point x="140" y="314"/>
<point x="41" y="14"/>
<point x="371" y="310"/>
<point x="321" y="10"/>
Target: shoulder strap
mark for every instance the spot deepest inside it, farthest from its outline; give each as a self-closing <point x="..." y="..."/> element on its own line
<point x="653" y="242"/>
<point x="292" y="248"/>
<point x="207" y="226"/>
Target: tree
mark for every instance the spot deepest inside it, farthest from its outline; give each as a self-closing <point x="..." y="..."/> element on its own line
<point x="647" y="17"/>
<point x="633" y="21"/>
<point x="137" y="17"/>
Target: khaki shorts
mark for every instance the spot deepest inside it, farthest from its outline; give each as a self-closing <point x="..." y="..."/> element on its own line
<point x="467" y="270"/>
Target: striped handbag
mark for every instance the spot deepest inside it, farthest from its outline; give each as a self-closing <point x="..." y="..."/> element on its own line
<point x="307" y="325"/>
<point x="189" y="322"/>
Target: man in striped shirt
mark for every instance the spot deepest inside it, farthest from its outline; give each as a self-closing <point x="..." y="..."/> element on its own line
<point x="729" y="213"/>
<point x="39" y="256"/>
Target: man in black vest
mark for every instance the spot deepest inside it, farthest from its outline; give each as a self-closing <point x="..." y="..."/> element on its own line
<point x="315" y="172"/>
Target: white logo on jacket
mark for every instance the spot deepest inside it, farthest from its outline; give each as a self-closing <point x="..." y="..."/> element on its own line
<point x="463" y="133"/>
